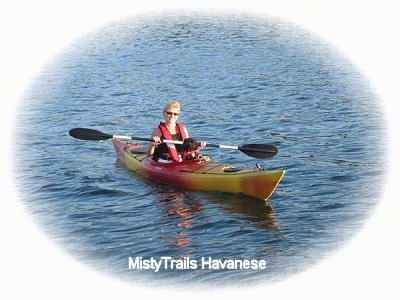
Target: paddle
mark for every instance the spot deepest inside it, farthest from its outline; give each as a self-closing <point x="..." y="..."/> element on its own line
<point x="253" y="150"/>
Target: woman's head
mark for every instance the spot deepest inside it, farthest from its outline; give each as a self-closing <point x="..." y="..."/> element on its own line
<point x="172" y="110"/>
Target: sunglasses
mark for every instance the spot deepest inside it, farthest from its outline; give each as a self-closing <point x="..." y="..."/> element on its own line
<point x="172" y="113"/>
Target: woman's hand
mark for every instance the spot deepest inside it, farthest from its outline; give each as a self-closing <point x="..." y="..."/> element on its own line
<point x="203" y="144"/>
<point x="156" y="140"/>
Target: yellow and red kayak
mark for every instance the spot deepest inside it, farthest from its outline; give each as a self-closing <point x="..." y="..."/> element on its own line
<point x="198" y="174"/>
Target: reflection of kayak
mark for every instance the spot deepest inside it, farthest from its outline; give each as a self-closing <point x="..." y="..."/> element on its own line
<point x="199" y="174"/>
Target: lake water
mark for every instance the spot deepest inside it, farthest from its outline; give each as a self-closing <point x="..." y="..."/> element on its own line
<point x="240" y="79"/>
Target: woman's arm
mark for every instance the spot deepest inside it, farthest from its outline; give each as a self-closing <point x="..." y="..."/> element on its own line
<point x="156" y="137"/>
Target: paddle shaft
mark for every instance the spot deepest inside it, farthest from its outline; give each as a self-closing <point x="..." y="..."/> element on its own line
<point x="253" y="150"/>
<point x="135" y="138"/>
<point x="222" y="146"/>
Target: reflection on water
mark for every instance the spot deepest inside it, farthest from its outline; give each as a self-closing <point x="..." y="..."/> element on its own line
<point x="181" y="207"/>
<point x="182" y="211"/>
<point x="258" y="213"/>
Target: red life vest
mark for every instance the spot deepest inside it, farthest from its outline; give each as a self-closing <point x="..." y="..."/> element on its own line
<point x="167" y="136"/>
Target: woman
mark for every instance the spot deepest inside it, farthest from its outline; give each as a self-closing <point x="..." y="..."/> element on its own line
<point x="172" y="130"/>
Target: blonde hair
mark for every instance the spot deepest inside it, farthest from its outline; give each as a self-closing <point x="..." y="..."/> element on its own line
<point x="173" y="105"/>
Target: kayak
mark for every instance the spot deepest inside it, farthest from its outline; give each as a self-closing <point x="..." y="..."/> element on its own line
<point x="200" y="174"/>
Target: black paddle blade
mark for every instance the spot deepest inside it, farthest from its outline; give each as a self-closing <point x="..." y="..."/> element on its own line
<point x="259" y="150"/>
<point x="89" y="134"/>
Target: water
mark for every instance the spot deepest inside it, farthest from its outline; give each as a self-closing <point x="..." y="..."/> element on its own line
<point x="240" y="79"/>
